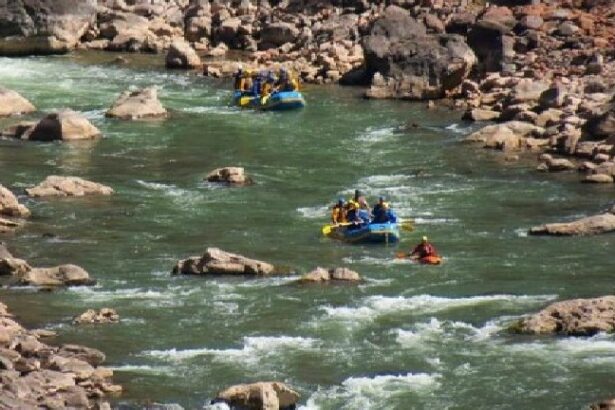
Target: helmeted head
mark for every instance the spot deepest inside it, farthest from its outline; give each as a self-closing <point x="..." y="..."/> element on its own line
<point x="357" y="194"/>
<point x="381" y="199"/>
<point x="424" y="239"/>
<point x="247" y="73"/>
<point x="340" y="201"/>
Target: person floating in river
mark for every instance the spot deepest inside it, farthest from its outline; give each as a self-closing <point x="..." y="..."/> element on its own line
<point x="382" y="212"/>
<point x="338" y="212"/>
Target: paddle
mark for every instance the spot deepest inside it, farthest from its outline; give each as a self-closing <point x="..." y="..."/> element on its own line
<point x="327" y="229"/>
<point x="406" y="225"/>
<point x="405" y="255"/>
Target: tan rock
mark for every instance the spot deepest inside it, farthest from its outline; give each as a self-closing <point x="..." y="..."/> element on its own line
<point x="577" y="317"/>
<point x="590" y="225"/>
<point x="261" y="395"/>
<point x="137" y="105"/>
<point x="505" y="136"/>
<point x="317" y="275"/>
<point x="65" y="125"/>
<point x="229" y="175"/>
<point x="181" y="55"/>
<point x="598" y="179"/>
<point x="478" y="114"/>
<point x="218" y="262"/>
<point x="55" y="185"/>
<point x="6" y="225"/>
<point x="11" y="103"/>
<point x="91" y="316"/>
<point x="63" y="275"/>
<point x="13" y="266"/>
<point x="9" y="206"/>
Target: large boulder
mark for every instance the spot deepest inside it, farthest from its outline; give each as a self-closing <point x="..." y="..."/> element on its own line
<point x="11" y="103"/>
<point x="229" y="175"/>
<point x="63" y="275"/>
<point x="66" y="125"/>
<point x="277" y="34"/>
<point x="590" y="225"/>
<point x="491" y="42"/>
<point x="219" y="262"/>
<point x="510" y="135"/>
<point x="9" y="206"/>
<point x="602" y="124"/>
<point x="181" y="55"/>
<point x="261" y="395"/>
<point x="137" y="105"/>
<point x="43" y="26"/>
<point x="577" y="317"/>
<point x="407" y="63"/>
<point x="55" y="185"/>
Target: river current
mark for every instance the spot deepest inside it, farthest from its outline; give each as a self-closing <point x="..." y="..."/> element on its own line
<point x="408" y="337"/>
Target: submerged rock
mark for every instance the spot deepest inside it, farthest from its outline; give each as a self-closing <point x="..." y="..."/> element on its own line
<point x="65" y="125"/>
<point x="6" y="225"/>
<point x="11" y="103"/>
<point x="261" y="395"/>
<point x="219" y="262"/>
<point x="91" y="316"/>
<point x="326" y="275"/>
<point x="591" y="225"/>
<point x="55" y="185"/>
<point x="577" y="317"/>
<point x="137" y="105"/>
<point x="9" y="206"/>
<point x="229" y="175"/>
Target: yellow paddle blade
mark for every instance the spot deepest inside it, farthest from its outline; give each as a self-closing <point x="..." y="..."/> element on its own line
<point x="326" y="230"/>
<point x="401" y="255"/>
<point x="243" y="101"/>
<point x="407" y="225"/>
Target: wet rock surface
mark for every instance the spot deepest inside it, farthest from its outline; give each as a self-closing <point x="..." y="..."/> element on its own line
<point x="62" y="186"/>
<point x="218" y="262"/>
<point x="137" y="105"/>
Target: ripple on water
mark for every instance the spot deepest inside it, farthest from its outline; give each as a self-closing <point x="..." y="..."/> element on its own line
<point x="374" y="306"/>
<point x="372" y="392"/>
<point x="255" y="349"/>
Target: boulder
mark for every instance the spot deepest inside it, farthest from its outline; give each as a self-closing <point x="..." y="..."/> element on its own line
<point x="261" y="395"/>
<point x="11" y="103"/>
<point x="407" y="63"/>
<point x="602" y="125"/>
<point x="598" y="179"/>
<point x="63" y="275"/>
<point x="13" y="266"/>
<point x="181" y="55"/>
<point x="552" y="97"/>
<point x="65" y="125"/>
<point x="491" y="44"/>
<point x="591" y="225"/>
<point x="277" y="34"/>
<point x="606" y="404"/>
<point x="552" y="164"/>
<point x="43" y="26"/>
<point x="55" y="185"/>
<point x="9" y="206"/>
<point x="7" y="225"/>
<point x="506" y="136"/>
<point x="137" y="105"/>
<point x="229" y="175"/>
<point x="218" y="262"/>
<point x="326" y="275"/>
<point x="528" y="91"/>
<point x="91" y="316"/>
<point x="576" y="317"/>
<point x="478" y="114"/>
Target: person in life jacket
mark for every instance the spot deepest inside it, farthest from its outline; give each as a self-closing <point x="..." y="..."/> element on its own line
<point x="267" y="88"/>
<point x="424" y="250"/>
<point x="383" y="213"/>
<point x="247" y="82"/>
<point x="257" y="85"/>
<point x="238" y="84"/>
<point x="338" y="212"/>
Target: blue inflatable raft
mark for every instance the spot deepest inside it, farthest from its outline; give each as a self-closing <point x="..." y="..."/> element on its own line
<point x="370" y="233"/>
<point x="278" y="101"/>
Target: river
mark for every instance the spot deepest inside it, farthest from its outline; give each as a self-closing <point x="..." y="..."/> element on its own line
<point x="408" y="337"/>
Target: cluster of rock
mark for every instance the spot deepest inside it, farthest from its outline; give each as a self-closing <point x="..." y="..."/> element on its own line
<point x="66" y="125"/>
<point x="218" y="262"/>
<point x="576" y="317"/>
<point x="23" y="274"/>
<point x="101" y="316"/>
<point x="260" y="395"/>
<point x="34" y="374"/>
<point x="552" y="68"/>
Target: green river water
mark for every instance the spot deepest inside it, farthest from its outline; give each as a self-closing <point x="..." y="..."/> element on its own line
<point x="409" y="337"/>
